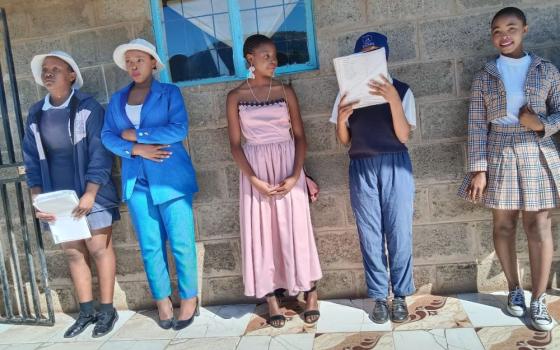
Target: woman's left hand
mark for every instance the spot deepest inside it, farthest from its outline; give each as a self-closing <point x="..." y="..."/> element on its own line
<point x="529" y="119"/>
<point x="285" y="186"/>
<point x="129" y="135"/>
<point x="384" y="89"/>
<point x="84" y="206"/>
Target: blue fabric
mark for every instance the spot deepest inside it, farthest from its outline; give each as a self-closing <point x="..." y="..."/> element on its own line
<point x="58" y="148"/>
<point x="382" y="196"/>
<point x="372" y="129"/>
<point x="163" y="120"/>
<point x="154" y="225"/>
<point x="92" y="162"/>
<point x="372" y="39"/>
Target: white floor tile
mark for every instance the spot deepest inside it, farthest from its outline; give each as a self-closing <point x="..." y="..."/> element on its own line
<point x="229" y="343"/>
<point x="219" y="321"/>
<point x="449" y="339"/>
<point x="292" y="342"/>
<point x="486" y="310"/>
<point x="253" y="342"/>
<point x="347" y="316"/>
<point x="135" y="345"/>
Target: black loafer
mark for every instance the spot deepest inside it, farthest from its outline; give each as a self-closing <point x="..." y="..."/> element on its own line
<point x="105" y="323"/>
<point x="399" y="310"/>
<point x="380" y="312"/>
<point x="82" y="322"/>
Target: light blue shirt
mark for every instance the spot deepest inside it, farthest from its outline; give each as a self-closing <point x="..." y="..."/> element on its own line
<point x="514" y="73"/>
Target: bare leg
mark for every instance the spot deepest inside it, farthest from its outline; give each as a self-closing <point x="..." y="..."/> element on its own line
<point x="505" y="223"/>
<point x="78" y="261"/>
<point x="100" y="247"/>
<point x="537" y="226"/>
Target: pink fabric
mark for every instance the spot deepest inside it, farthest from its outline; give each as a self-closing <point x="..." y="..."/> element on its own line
<point x="277" y="242"/>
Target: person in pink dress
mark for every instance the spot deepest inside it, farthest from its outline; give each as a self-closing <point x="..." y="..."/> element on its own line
<point x="277" y="243"/>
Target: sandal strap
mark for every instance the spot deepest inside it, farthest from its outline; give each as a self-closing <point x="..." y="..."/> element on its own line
<point x="311" y="313"/>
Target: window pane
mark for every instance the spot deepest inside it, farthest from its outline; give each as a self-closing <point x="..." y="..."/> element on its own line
<point x="264" y="3"/>
<point x="246" y="4"/>
<point x="286" y="24"/>
<point x="198" y="39"/>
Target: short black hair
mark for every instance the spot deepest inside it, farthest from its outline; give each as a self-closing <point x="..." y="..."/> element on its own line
<point x="510" y="11"/>
<point x="254" y="41"/>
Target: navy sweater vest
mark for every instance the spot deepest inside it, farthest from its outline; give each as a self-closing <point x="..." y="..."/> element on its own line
<point x="372" y="129"/>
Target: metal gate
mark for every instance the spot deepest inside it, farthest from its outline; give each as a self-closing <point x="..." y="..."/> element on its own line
<point x="23" y="268"/>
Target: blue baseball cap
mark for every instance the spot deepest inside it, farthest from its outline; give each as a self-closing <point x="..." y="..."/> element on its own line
<point x="372" y="39"/>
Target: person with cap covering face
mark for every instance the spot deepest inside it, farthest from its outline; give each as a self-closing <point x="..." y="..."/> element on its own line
<point x="381" y="185"/>
<point x="146" y="124"/>
<point x="62" y="150"/>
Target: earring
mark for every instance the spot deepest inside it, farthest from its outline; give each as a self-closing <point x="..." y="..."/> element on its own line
<point x="251" y="72"/>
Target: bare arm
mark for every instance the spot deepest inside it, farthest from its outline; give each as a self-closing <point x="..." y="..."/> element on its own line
<point x="345" y="110"/>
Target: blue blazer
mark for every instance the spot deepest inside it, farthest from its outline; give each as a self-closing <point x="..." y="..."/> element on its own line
<point x="164" y="121"/>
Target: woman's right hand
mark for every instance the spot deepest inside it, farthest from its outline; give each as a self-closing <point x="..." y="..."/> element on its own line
<point x="477" y="186"/>
<point x="154" y="153"/>
<point x="263" y="187"/>
<point x="46" y="217"/>
<point x="345" y="109"/>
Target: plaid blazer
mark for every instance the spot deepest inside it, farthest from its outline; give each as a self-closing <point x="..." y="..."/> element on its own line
<point x="488" y="102"/>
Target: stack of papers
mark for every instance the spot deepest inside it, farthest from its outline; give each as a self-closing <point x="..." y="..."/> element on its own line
<point x="66" y="227"/>
<point x="354" y="72"/>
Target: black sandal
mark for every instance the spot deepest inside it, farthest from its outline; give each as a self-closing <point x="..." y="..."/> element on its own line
<point x="310" y="316"/>
<point x="276" y="321"/>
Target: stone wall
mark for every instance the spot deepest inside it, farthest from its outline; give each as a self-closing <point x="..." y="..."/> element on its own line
<point x="436" y="46"/>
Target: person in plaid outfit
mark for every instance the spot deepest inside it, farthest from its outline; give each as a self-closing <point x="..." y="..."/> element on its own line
<point x="513" y="164"/>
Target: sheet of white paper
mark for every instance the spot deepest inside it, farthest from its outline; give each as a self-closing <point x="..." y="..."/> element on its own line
<point x="61" y="203"/>
<point x="354" y="72"/>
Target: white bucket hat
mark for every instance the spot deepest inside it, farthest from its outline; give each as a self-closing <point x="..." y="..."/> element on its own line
<point x="140" y="45"/>
<point x="37" y="67"/>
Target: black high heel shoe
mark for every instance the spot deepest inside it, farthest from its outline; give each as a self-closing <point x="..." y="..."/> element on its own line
<point x="180" y="324"/>
<point x="167" y="324"/>
<point x="279" y="320"/>
<point x="310" y="316"/>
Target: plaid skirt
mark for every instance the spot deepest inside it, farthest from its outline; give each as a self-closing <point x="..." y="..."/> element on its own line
<point x="523" y="170"/>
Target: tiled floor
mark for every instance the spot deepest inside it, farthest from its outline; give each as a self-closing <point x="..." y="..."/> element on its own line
<point x="461" y="322"/>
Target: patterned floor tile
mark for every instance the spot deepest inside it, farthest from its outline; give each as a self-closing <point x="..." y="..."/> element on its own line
<point x="433" y="312"/>
<point x="518" y="338"/>
<point x="486" y="310"/>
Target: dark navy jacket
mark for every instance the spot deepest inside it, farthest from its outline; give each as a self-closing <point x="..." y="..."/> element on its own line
<point x="93" y="163"/>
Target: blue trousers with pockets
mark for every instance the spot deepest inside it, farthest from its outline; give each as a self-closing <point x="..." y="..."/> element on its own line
<point x="382" y="196"/>
<point x="155" y="225"/>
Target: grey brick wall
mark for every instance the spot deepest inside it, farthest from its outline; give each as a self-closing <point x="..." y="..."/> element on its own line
<point x="436" y="46"/>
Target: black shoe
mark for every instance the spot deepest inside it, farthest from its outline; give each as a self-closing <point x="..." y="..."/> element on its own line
<point x="80" y="325"/>
<point x="399" y="310"/>
<point x="180" y="324"/>
<point x="167" y="324"/>
<point x="105" y="323"/>
<point x="380" y="312"/>
<point x="310" y="316"/>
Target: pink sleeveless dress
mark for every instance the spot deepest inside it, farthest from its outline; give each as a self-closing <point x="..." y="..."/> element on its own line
<point x="277" y="242"/>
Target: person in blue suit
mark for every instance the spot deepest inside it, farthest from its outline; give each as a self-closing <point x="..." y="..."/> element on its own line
<point x="145" y="124"/>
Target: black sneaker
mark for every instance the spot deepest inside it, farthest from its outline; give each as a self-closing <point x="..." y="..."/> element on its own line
<point x="380" y="312"/>
<point x="399" y="310"/>
<point x="82" y="322"/>
<point x="105" y="323"/>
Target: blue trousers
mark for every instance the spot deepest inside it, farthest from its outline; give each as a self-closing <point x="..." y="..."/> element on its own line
<point x="154" y="226"/>
<point x="382" y="196"/>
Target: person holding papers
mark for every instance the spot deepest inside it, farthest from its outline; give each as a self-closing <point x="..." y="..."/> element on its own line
<point x="62" y="150"/>
<point x="381" y="184"/>
<point x="146" y="124"/>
